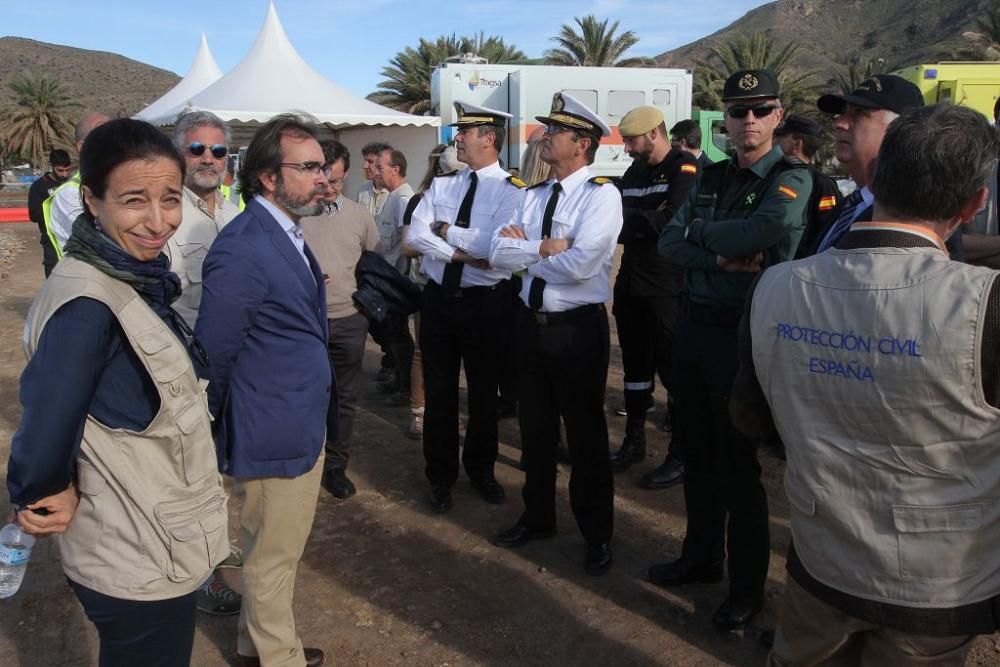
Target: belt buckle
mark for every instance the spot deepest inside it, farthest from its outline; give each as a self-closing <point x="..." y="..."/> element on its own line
<point x="540" y="318"/>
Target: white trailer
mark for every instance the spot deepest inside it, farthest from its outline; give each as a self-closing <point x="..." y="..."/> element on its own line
<point x="526" y="91"/>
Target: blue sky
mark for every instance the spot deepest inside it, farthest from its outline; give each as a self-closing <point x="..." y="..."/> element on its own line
<point x="347" y="41"/>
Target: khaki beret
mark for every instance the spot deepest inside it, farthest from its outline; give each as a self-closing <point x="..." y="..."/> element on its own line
<point x="640" y="120"/>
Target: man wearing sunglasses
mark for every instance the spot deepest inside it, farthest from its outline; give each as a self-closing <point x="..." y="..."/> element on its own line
<point x="745" y="214"/>
<point x="564" y="240"/>
<point x="203" y="141"/>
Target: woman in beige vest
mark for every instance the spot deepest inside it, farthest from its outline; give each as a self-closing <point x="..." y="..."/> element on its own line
<point x="114" y="449"/>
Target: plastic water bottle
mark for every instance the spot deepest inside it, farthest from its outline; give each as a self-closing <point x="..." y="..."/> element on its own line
<point x="15" y="550"/>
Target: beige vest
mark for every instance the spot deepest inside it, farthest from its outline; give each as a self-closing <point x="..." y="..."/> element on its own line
<point x="152" y="520"/>
<point x="870" y="362"/>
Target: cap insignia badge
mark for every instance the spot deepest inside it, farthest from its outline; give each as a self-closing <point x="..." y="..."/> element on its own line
<point x="748" y="82"/>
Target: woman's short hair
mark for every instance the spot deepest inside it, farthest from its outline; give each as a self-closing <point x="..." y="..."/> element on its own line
<point x="116" y="142"/>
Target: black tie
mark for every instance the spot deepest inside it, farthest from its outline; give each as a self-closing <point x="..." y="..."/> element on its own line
<point x="538" y="284"/>
<point x="453" y="270"/>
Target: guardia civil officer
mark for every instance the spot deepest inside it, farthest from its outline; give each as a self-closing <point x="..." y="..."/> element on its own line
<point x="745" y="213"/>
<point x="564" y="239"/>
<point x="467" y="303"/>
<point x="648" y="287"/>
<point x="879" y="361"/>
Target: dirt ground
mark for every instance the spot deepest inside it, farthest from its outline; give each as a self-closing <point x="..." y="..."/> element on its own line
<point x="384" y="581"/>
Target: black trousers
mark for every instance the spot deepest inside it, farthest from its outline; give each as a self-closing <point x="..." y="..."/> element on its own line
<point x="646" y="326"/>
<point x="563" y="372"/>
<point x="454" y="330"/>
<point x="508" y="371"/>
<point x="347" y="352"/>
<point x="726" y="501"/>
<point x="402" y="346"/>
<point x="157" y="633"/>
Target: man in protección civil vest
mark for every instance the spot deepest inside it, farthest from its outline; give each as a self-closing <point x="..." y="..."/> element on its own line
<point x="879" y="361"/>
<point x="744" y="213"/>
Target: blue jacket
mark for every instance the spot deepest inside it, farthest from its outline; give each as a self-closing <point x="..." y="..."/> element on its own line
<point x="262" y="323"/>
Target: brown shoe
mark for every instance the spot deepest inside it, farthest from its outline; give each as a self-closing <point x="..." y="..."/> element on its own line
<point x="314" y="658"/>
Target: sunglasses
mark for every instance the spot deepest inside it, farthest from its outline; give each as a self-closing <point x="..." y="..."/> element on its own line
<point x="759" y="110"/>
<point x="219" y="151"/>
<point x="553" y="129"/>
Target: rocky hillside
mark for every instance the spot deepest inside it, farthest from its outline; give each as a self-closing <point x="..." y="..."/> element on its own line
<point x="833" y="32"/>
<point x="100" y="81"/>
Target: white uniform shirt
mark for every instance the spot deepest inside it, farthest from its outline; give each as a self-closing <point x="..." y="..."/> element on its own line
<point x="67" y="205"/>
<point x="188" y="247"/>
<point x="495" y="204"/>
<point x="588" y="213"/>
<point x="390" y="225"/>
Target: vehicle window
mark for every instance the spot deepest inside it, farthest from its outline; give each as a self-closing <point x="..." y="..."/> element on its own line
<point x="620" y="102"/>
<point x="587" y="97"/>
<point x="661" y="97"/>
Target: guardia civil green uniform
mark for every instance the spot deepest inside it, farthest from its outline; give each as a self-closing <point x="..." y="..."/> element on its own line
<point x="732" y="212"/>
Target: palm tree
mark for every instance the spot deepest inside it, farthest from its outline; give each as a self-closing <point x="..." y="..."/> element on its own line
<point x="755" y="52"/>
<point x="595" y="45"/>
<point x="39" y="118"/>
<point x="847" y="82"/>
<point x="407" y="84"/>
<point x="984" y="45"/>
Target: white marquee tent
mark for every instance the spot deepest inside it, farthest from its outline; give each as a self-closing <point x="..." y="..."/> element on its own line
<point x="203" y="73"/>
<point x="273" y="78"/>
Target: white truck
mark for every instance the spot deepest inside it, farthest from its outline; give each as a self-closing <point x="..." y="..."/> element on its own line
<point x="526" y="91"/>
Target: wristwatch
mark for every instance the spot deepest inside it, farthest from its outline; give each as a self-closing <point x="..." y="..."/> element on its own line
<point x="436" y="227"/>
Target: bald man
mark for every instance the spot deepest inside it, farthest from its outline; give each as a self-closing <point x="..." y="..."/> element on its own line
<point x="64" y="206"/>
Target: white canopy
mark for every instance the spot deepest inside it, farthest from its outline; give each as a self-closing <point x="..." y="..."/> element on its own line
<point x="203" y="73"/>
<point x="273" y="78"/>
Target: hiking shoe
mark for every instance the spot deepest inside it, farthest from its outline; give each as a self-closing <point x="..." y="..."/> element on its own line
<point x="415" y="431"/>
<point x="214" y="597"/>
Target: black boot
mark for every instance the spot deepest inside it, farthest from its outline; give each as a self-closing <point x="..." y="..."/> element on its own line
<point x="633" y="448"/>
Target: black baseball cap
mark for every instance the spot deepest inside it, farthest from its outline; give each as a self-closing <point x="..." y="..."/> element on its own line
<point x="748" y="84"/>
<point x="882" y="91"/>
<point x="796" y="124"/>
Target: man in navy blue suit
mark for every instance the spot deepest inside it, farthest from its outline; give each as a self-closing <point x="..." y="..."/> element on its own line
<point x="263" y="326"/>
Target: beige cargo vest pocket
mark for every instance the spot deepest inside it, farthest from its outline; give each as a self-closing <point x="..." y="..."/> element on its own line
<point x="152" y="521"/>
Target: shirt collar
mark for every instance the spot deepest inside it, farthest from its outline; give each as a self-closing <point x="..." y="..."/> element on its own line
<point x="867" y="196"/>
<point x="575" y="180"/>
<point x="763" y="165"/>
<point x="286" y="223"/>
<point x="484" y="171"/>
<point x="200" y="203"/>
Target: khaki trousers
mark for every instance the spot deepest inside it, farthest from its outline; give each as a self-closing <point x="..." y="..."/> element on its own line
<point x="811" y="632"/>
<point x="276" y="516"/>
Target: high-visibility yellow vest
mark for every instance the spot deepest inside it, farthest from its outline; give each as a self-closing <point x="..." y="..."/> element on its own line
<point x="74" y="182"/>
<point x="226" y="190"/>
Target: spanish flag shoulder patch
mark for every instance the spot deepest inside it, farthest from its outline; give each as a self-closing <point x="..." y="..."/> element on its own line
<point x="514" y="180"/>
<point x="788" y="192"/>
<point x="689" y="169"/>
<point x="826" y="203"/>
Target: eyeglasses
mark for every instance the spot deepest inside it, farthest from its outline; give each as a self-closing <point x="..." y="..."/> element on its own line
<point x="554" y="129"/>
<point x="313" y="168"/>
<point x="759" y="110"/>
<point x="219" y="151"/>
